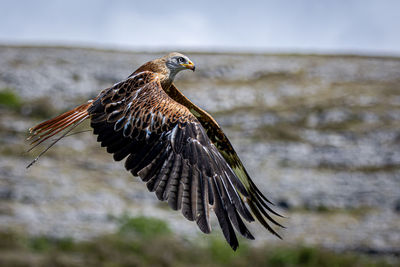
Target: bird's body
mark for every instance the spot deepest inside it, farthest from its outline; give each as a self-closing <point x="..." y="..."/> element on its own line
<point x="171" y="144"/>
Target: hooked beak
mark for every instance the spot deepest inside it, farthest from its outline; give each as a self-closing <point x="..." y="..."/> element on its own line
<point x="189" y="66"/>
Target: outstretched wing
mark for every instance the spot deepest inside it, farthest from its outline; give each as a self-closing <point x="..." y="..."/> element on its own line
<point x="257" y="202"/>
<point x="167" y="147"/>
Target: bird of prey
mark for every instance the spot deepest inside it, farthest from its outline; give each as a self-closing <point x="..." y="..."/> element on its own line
<point x="175" y="147"/>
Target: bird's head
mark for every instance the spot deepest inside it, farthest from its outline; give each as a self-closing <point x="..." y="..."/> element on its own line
<point x="175" y="62"/>
<point x="168" y="66"/>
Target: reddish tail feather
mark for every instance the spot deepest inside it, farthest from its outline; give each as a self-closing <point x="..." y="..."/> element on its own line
<point x="49" y="128"/>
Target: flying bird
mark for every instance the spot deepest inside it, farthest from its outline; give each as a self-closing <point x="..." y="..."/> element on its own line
<point x="175" y="147"/>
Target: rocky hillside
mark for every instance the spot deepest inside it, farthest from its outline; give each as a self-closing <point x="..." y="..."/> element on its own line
<point x="319" y="134"/>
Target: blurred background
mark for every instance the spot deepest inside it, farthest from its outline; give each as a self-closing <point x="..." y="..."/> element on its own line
<point x="307" y="91"/>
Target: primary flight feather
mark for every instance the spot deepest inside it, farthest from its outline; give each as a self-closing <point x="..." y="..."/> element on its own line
<point x="175" y="147"/>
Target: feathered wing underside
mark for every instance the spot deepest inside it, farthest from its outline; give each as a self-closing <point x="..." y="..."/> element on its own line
<point x="167" y="147"/>
<point x="257" y="202"/>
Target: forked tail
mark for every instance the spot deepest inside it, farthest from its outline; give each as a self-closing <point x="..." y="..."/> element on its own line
<point x="66" y="121"/>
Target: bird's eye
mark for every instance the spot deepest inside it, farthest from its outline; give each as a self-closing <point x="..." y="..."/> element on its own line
<point x="181" y="60"/>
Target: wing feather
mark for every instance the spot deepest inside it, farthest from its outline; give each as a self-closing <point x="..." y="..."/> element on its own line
<point x="202" y="205"/>
<point x="186" y="194"/>
<point x="168" y="148"/>
<point x="172" y="188"/>
<point x="222" y="216"/>
<point x="241" y="180"/>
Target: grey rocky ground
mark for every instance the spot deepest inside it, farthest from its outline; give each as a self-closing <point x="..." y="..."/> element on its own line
<point x="319" y="134"/>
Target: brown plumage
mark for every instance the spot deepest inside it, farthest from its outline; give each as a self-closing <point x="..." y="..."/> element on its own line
<point x="175" y="147"/>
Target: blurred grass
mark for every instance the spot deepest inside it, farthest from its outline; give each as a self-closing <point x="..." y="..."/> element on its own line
<point x="36" y="108"/>
<point x="143" y="226"/>
<point x="9" y="99"/>
<point x="144" y="241"/>
<point x="41" y="108"/>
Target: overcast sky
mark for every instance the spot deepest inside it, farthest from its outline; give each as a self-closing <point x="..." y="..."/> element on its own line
<point x="346" y="26"/>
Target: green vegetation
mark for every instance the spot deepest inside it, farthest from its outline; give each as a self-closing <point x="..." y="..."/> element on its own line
<point x="143" y="241"/>
<point x="76" y="77"/>
<point x="9" y="99"/>
<point x="143" y="226"/>
<point x="40" y="108"/>
<point x="388" y="168"/>
<point x="280" y="132"/>
<point x="355" y="212"/>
